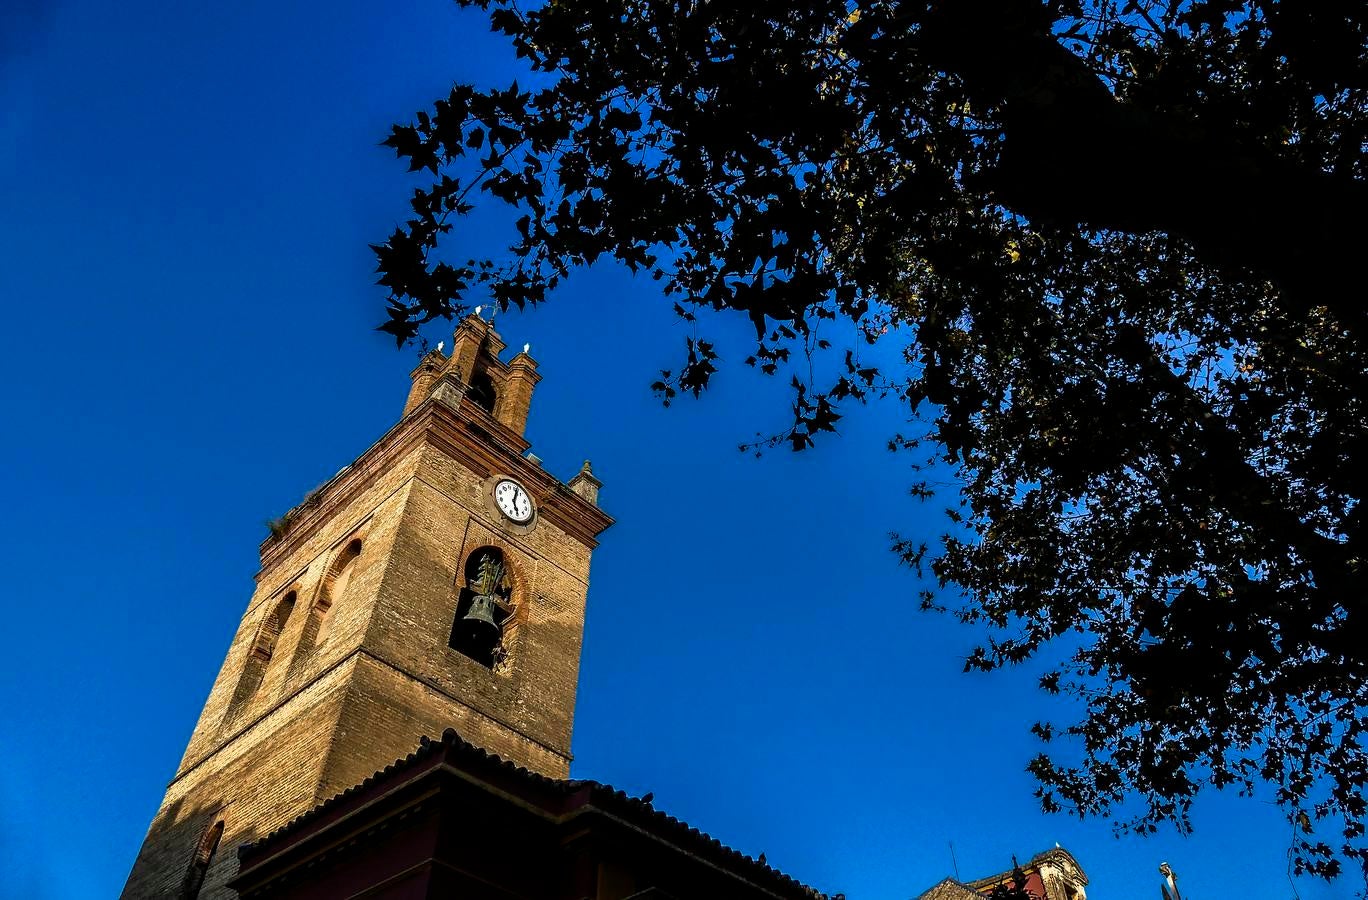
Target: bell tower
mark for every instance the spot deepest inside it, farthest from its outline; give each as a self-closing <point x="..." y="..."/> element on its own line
<point x="439" y="581"/>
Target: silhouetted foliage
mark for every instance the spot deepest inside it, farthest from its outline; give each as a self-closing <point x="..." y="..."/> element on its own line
<point x="1122" y="243"/>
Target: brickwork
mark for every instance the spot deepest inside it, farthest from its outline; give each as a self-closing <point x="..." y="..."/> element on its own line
<point x="516" y="401"/>
<point x="534" y="689"/>
<point x="259" y="782"/>
<point x="374" y="516"/>
<point x="310" y="703"/>
<point x="388" y="711"/>
<point x="423" y="377"/>
<point x="474" y="342"/>
<point x="475" y="352"/>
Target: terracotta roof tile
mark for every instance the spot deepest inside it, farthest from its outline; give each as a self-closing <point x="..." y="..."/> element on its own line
<point x="949" y="889"/>
<point x="603" y="796"/>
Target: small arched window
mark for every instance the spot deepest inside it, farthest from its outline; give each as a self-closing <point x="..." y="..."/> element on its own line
<point x="335" y="585"/>
<point x="273" y="626"/>
<point x="481" y="392"/>
<point x="338" y="580"/>
<point x="484" y="608"/>
<point x="333" y="590"/>
<point x="259" y="657"/>
<point x="199" y="864"/>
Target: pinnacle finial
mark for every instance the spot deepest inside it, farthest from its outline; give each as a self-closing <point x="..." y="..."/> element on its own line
<point x="585" y="484"/>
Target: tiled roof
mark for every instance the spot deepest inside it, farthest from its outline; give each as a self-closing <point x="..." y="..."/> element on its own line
<point x="602" y="796"/>
<point x="950" y="889"/>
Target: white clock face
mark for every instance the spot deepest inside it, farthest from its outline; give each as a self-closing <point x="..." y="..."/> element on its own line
<point x="513" y="501"/>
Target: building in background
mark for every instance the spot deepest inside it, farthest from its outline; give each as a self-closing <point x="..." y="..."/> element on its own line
<point x="1052" y="875"/>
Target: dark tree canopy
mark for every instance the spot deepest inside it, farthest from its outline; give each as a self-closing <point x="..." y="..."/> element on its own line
<point x="1121" y="240"/>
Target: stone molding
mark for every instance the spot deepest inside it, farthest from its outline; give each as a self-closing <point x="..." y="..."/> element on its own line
<point x="469" y="436"/>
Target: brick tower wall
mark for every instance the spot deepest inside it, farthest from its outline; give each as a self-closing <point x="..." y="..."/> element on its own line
<point x="263" y="764"/>
<point x="342" y="662"/>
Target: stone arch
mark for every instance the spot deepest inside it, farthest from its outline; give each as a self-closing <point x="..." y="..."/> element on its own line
<point x="335" y="584"/>
<point x="482" y="392"/>
<point x="259" y="656"/>
<point x="199" y="863"/>
<point x="337" y="578"/>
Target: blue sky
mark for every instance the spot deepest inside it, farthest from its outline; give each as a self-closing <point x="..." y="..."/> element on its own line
<point x="186" y="195"/>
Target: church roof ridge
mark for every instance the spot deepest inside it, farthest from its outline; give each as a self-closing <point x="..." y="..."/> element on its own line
<point x="948" y="888"/>
<point x="603" y="796"/>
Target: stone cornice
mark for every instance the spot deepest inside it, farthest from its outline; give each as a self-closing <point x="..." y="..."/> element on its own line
<point x="468" y="435"/>
<point x="473" y="438"/>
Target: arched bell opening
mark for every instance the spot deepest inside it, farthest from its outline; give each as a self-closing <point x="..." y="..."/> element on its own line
<point x="484" y="608"/>
<point x="481" y="392"/>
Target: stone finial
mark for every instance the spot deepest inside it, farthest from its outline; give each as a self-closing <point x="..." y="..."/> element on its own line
<point x="585" y="484"/>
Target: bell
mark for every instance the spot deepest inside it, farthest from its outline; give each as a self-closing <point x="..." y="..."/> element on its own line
<point x="482" y="611"/>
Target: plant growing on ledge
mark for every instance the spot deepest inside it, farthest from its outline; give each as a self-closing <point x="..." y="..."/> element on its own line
<point x="278" y="526"/>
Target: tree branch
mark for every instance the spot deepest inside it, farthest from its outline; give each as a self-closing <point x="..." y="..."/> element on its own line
<point x="1075" y="153"/>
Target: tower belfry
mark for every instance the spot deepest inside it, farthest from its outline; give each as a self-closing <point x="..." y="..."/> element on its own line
<point x="439" y="581"/>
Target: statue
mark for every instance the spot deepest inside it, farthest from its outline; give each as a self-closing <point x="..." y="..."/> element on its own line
<point x="488" y="586"/>
<point x="1170" y="885"/>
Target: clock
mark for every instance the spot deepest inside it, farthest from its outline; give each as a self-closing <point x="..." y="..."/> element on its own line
<point x="513" y="501"/>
